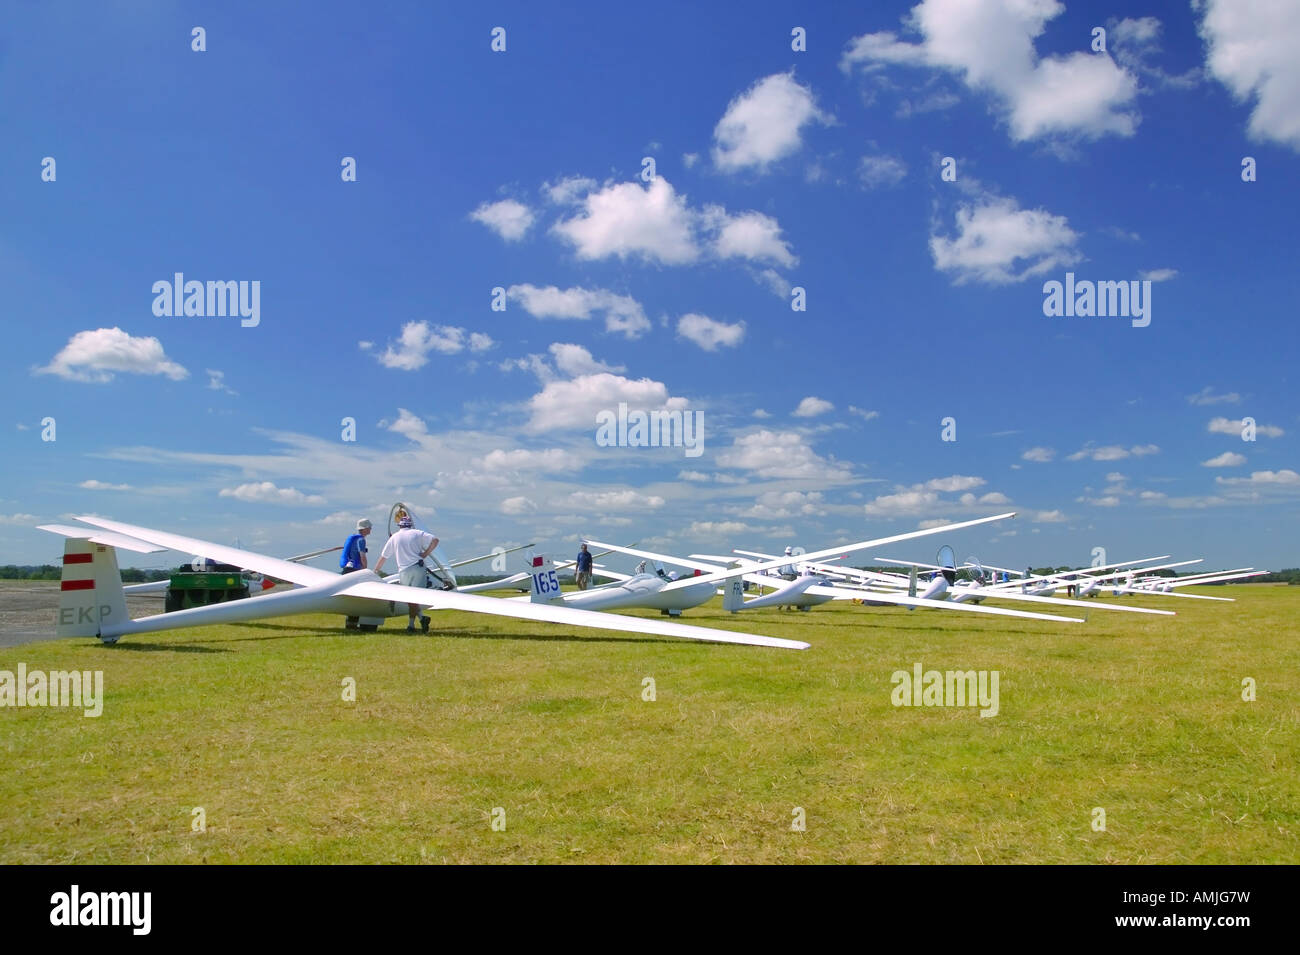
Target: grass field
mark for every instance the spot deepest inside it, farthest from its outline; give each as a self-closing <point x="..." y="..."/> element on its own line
<point x="1140" y="716"/>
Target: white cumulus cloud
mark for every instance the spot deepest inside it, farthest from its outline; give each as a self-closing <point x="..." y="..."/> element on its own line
<point x="93" y="485"/>
<point x="1235" y="426"/>
<point x="909" y="503"/>
<point x="957" y="482"/>
<point x="94" y="356"/>
<point x="507" y="218"/>
<point x="1286" y="477"/>
<point x="748" y="235"/>
<point x="812" y="406"/>
<point x="622" y="313"/>
<point x="1228" y="459"/>
<point x="575" y="403"/>
<point x="781" y="454"/>
<point x="654" y="223"/>
<point x="574" y="360"/>
<point x="990" y="46"/>
<point x="1112" y="452"/>
<point x="710" y="334"/>
<point x="881" y="171"/>
<point x="1253" y="48"/>
<point x="998" y="242"/>
<point x="418" y="339"/>
<point x="568" y="190"/>
<point x="265" y="492"/>
<point x="615" y="500"/>
<point x="764" y="124"/>
<point x="624" y="220"/>
<point x="550" y="460"/>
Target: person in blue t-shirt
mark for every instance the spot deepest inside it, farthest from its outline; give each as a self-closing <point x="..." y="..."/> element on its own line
<point x="354" y="549"/>
<point x="582" y="570"/>
<point x="354" y="558"/>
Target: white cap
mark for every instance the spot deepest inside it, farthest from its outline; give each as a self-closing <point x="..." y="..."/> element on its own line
<point x="363" y="524"/>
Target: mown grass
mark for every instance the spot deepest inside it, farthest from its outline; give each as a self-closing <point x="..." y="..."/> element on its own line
<point x="1142" y="717"/>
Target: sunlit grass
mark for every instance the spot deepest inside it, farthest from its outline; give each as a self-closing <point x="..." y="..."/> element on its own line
<point x="1142" y="717"/>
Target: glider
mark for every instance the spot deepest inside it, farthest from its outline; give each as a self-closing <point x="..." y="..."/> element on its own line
<point x="944" y="586"/>
<point x="810" y="585"/>
<point x="92" y="602"/>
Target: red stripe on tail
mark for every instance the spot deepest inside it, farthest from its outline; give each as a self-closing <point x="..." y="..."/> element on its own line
<point x="78" y="558"/>
<point x="77" y="585"/>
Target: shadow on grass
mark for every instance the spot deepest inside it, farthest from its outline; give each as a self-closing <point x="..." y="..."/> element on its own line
<point x="135" y="647"/>
<point x="289" y="632"/>
<point x="919" y="627"/>
<point x="545" y="637"/>
<point x="435" y="631"/>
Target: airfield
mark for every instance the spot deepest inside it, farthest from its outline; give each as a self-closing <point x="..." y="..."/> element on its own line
<point x="497" y="740"/>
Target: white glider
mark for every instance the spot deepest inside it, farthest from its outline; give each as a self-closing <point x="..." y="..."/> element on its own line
<point x="92" y="602"/>
<point x="808" y="590"/>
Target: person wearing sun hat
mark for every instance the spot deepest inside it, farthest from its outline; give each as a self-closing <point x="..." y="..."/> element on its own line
<point x="408" y="548"/>
<point x="354" y="549"/>
<point x="354" y="558"/>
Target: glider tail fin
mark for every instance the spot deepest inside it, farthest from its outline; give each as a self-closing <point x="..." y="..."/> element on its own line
<point x="733" y="594"/>
<point x="545" y="583"/>
<point x="90" y="592"/>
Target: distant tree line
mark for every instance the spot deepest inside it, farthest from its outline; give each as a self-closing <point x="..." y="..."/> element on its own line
<point x="1290" y="576"/>
<point x="43" y="572"/>
<point x="130" y="575"/>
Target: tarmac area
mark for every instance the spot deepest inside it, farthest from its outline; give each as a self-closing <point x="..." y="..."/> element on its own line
<point x="28" y="609"/>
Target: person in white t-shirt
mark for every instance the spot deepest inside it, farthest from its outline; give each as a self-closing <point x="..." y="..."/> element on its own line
<point x="408" y="548"/>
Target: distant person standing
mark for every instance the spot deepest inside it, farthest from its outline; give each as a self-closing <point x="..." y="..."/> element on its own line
<point x="582" y="572"/>
<point x="408" y="548"/>
<point x="354" y="558"/>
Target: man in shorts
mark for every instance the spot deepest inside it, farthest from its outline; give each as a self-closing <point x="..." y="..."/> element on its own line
<point x="408" y="548"/>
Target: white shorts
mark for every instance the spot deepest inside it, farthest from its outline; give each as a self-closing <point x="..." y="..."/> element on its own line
<point x="414" y="576"/>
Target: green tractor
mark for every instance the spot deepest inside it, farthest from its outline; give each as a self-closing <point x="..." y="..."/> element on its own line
<point x="204" y="585"/>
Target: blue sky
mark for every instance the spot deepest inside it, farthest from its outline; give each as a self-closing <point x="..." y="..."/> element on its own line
<point x="524" y="170"/>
